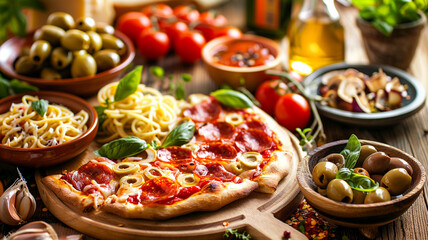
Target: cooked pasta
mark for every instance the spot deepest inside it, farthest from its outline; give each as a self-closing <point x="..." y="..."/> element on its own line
<point x="23" y="127"/>
<point x="146" y="114"/>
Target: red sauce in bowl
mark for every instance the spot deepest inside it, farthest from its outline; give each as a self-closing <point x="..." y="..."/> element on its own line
<point x="243" y="54"/>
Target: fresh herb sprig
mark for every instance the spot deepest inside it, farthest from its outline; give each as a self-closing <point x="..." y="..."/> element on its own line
<point x="357" y="181"/>
<point x="122" y="147"/>
<point x="351" y="152"/>
<point x="40" y="106"/>
<point x="236" y="235"/>
<point x="180" y="135"/>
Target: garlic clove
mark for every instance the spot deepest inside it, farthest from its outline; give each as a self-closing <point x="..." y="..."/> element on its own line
<point x="7" y="201"/>
<point x="34" y="230"/>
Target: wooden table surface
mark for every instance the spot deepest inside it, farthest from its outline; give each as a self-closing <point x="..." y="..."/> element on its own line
<point x="411" y="135"/>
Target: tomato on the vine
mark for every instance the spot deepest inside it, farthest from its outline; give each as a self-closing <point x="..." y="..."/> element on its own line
<point x="186" y="13"/>
<point x="158" y="10"/>
<point x="292" y="111"/>
<point x="189" y="46"/>
<point x="174" y="30"/>
<point x="268" y="94"/>
<point x="227" y="31"/>
<point x="213" y="18"/>
<point x="132" y="24"/>
<point x="153" y="44"/>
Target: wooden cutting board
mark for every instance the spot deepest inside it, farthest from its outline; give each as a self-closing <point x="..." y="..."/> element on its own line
<point x="259" y="214"/>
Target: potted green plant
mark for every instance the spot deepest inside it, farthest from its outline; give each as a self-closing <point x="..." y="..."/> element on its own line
<point x="391" y="29"/>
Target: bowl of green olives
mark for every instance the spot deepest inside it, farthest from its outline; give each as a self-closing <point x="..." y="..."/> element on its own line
<point x="75" y="56"/>
<point x="360" y="183"/>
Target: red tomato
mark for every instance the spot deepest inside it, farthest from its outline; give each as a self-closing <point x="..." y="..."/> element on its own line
<point x="174" y="30"/>
<point x="213" y="18"/>
<point x="189" y="46"/>
<point x="186" y="13"/>
<point x="228" y="31"/>
<point x="153" y="44"/>
<point x="268" y="94"/>
<point x="208" y="31"/>
<point x="292" y="111"/>
<point x="158" y="10"/>
<point x="132" y="24"/>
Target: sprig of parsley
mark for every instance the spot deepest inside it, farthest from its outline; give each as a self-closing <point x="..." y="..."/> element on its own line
<point x="236" y="235"/>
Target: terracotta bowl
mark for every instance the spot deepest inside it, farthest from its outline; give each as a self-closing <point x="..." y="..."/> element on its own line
<point x="358" y="215"/>
<point x="254" y="76"/>
<point x="42" y="157"/>
<point x="82" y="86"/>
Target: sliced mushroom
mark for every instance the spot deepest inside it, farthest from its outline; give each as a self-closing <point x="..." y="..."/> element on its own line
<point x="394" y="98"/>
<point x="377" y="81"/>
<point x="330" y="98"/>
<point x="329" y="77"/>
<point x="380" y="100"/>
<point x="361" y="103"/>
<point x="395" y="84"/>
<point x="349" y="88"/>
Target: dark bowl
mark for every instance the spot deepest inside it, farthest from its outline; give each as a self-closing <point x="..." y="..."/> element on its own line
<point x="42" y="157"/>
<point x="358" y="215"/>
<point x="415" y="90"/>
<point x="82" y="86"/>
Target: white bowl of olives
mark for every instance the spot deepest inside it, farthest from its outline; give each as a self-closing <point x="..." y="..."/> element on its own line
<point x="360" y="183"/>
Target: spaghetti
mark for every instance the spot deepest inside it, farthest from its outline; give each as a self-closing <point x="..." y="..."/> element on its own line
<point x="23" y="127"/>
<point x="146" y="114"/>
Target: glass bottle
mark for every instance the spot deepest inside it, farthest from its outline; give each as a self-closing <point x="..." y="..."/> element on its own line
<point x="268" y="17"/>
<point x="316" y="37"/>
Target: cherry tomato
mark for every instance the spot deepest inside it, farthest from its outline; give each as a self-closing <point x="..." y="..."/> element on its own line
<point x="153" y="44"/>
<point x="228" y="31"/>
<point x="158" y="10"/>
<point x="208" y="31"/>
<point x="268" y="94"/>
<point x="213" y="18"/>
<point x="292" y="111"/>
<point x="189" y="46"/>
<point x="174" y="29"/>
<point x="186" y="13"/>
<point x="132" y="24"/>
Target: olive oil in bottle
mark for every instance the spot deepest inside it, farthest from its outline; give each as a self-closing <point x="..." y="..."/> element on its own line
<point x="316" y="37"/>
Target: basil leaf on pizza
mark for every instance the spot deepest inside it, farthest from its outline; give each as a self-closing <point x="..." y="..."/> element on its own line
<point x="180" y="135"/>
<point x="232" y="98"/>
<point x="121" y="148"/>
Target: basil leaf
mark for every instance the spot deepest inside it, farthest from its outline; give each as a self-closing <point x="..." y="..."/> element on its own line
<point x="232" y="98"/>
<point x="101" y="115"/>
<point x="21" y="87"/>
<point x="121" y="148"/>
<point x="344" y="174"/>
<point x="362" y="183"/>
<point x="180" y="135"/>
<point x="40" y="106"/>
<point x="157" y="71"/>
<point x="351" y="151"/>
<point x="4" y="87"/>
<point x="34" y="4"/>
<point x="18" y="23"/>
<point x="186" y="77"/>
<point x="129" y="84"/>
<point x="180" y="92"/>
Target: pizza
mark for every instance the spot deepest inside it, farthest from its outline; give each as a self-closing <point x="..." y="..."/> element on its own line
<point x="232" y="153"/>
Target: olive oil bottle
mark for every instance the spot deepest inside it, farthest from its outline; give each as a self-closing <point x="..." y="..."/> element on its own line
<point x="316" y="37"/>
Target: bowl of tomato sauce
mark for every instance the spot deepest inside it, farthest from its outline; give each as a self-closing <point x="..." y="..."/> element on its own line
<point x="241" y="61"/>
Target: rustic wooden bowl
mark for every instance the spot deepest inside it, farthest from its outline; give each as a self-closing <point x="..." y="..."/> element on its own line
<point x="253" y="76"/>
<point x="358" y="215"/>
<point x="42" y="157"/>
<point x="82" y="86"/>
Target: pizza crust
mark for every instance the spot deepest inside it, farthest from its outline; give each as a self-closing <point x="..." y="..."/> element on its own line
<point x="207" y="201"/>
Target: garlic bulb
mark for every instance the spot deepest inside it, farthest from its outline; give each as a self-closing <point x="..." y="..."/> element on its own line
<point x="34" y="230"/>
<point x="17" y="203"/>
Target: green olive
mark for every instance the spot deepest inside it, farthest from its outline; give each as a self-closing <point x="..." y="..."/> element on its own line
<point x="335" y="158"/>
<point x="85" y="24"/>
<point x="61" y="19"/>
<point x="359" y="196"/>
<point x="61" y="58"/>
<point x="378" y="195"/>
<point x="50" y="33"/>
<point x="400" y="163"/>
<point x="83" y="65"/>
<point x="25" y="51"/>
<point x="79" y="52"/>
<point x="377" y="163"/>
<point x="361" y="171"/>
<point x="339" y="190"/>
<point x="323" y="173"/>
<point x="366" y="150"/>
<point x="95" y="42"/>
<point x="112" y="42"/>
<point x="396" y="181"/>
<point x="39" y="51"/>
<point x="75" y="40"/>
<point x="25" y="66"/>
<point x="101" y="27"/>
<point x="50" y="73"/>
<point x="106" y="59"/>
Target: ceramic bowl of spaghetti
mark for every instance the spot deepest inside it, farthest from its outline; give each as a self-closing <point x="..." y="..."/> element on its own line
<point x="40" y="129"/>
